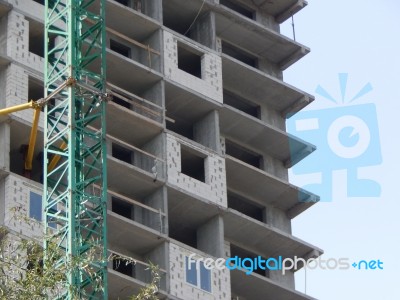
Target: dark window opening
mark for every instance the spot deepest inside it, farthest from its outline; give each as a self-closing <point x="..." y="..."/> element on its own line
<point x="124" y="266"/>
<point x="189" y="61"/>
<point x="122" y="153"/>
<point x="242" y="104"/>
<point x="135" y="4"/>
<point x="121" y="101"/>
<point x="242" y="253"/>
<point x="239" y="8"/>
<point x="124" y="2"/>
<point x="192" y="164"/>
<point x="36" y="38"/>
<point x="239" y="54"/>
<point x="122" y="208"/>
<point x="245" y="206"/>
<point x="187" y="236"/>
<point x="40" y="1"/>
<point x="120" y="48"/>
<point x="243" y="154"/>
<point x="181" y="127"/>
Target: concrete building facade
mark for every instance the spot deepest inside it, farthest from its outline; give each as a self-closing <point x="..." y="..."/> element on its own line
<point x="198" y="155"/>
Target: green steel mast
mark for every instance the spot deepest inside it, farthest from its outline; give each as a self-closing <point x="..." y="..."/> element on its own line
<point x="75" y="189"/>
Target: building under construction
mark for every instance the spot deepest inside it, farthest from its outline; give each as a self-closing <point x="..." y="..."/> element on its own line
<point x="197" y="150"/>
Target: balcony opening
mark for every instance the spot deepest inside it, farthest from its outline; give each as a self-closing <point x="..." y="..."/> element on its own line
<point x="120" y="48"/>
<point x="239" y="8"/>
<point x="121" y="102"/>
<point x="242" y="104"/>
<point x="122" y="153"/>
<point x="135" y="4"/>
<point x="189" y="61"/>
<point x="239" y="54"/>
<point x="185" y="235"/>
<point x="243" y="154"/>
<point x="36" y="38"/>
<point x="242" y="253"/>
<point x="124" y="266"/>
<point x="245" y="206"/>
<point x="122" y="208"/>
<point x="192" y="164"/>
<point x="180" y="127"/>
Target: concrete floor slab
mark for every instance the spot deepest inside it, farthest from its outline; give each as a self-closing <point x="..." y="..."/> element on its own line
<point x="131" y="236"/>
<point x="129" y="180"/>
<point x="256" y="38"/>
<point x="262" y="286"/>
<point x="256" y="134"/>
<point x="260" y="87"/>
<point x="265" y="188"/>
<point x="262" y="238"/>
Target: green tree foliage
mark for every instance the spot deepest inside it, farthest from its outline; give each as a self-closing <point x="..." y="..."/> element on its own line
<point x="28" y="272"/>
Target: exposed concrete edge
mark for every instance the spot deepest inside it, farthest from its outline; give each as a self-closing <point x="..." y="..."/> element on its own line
<point x="302" y="102"/>
<point x="300" y="207"/>
<point x="283" y="16"/>
<point x="293" y="58"/>
<point x="296" y="157"/>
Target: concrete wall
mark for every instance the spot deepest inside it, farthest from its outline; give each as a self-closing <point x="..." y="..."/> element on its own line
<point x="214" y="187"/>
<point x="18" y="42"/>
<point x="16" y="205"/>
<point x="210" y="83"/>
<point x="220" y="279"/>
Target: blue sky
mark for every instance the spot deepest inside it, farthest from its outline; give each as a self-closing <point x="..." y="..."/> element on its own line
<point x="361" y="38"/>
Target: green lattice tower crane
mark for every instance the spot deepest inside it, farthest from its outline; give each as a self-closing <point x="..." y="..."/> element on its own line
<point x="75" y="188"/>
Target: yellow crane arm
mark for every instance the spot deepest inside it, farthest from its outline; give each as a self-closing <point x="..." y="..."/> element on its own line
<point x="32" y="140"/>
<point x="12" y="109"/>
<point x="35" y="124"/>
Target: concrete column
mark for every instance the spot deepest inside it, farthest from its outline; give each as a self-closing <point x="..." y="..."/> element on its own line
<point x="210" y="237"/>
<point x="203" y="31"/>
<point x="155" y="147"/>
<point x="154" y="41"/>
<point x="153" y="9"/>
<point x="152" y="219"/>
<point x="278" y="219"/>
<point x="286" y="280"/>
<point x="206" y="131"/>
<point x="3" y="36"/>
<point x="155" y="94"/>
<point x="4" y="147"/>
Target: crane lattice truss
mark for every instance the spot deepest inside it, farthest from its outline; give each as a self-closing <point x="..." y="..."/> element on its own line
<point x="75" y="189"/>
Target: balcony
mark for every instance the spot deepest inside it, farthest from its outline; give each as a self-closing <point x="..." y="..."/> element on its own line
<point x="261" y="286"/>
<point x="132" y="170"/>
<point x="264" y="188"/>
<point x="140" y="79"/>
<point x="262" y="238"/>
<point x="256" y="134"/>
<point x="280" y="10"/>
<point x="131" y="118"/>
<point x="254" y="37"/>
<point x="259" y="87"/>
<point x="141" y="239"/>
<point x="121" y="286"/>
<point x="186" y="213"/>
